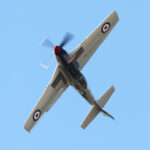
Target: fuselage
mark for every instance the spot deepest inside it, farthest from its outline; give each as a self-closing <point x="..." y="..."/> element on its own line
<point x="69" y="67"/>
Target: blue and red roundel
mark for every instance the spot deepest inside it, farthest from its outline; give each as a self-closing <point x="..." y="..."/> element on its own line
<point x="105" y="27"/>
<point x="36" y="115"/>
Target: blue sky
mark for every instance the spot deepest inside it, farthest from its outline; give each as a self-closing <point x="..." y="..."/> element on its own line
<point x="122" y="60"/>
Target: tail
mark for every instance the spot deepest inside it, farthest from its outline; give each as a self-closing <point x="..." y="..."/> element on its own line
<point x="98" y="108"/>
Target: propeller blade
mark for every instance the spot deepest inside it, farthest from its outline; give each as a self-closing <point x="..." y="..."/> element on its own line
<point x="43" y="66"/>
<point x="66" y="39"/>
<point x="47" y="62"/>
<point x="46" y="42"/>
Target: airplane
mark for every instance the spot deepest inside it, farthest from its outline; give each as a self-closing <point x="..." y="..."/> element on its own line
<point x="68" y="72"/>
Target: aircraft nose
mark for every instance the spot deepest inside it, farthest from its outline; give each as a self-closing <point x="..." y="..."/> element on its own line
<point x="57" y="49"/>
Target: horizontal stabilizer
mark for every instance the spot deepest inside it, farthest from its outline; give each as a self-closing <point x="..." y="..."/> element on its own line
<point x="98" y="108"/>
<point x="105" y="97"/>
<point x="90" y="116"/>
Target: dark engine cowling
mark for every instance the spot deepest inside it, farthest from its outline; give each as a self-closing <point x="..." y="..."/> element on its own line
<point x="78" y="76"/>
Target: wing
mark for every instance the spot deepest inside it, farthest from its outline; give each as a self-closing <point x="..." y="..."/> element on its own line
<point x="55" y="88"/>
<point x="87" y="48"/>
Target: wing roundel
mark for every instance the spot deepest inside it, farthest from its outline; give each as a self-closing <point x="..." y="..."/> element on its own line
<point x="105" y="27"/>
<point x="36" y="115"/>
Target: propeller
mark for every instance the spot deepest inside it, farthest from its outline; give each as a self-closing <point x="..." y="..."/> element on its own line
<point x="43" y="65"/>
<point x="47" y="43"/>
<point x="46" y="63"/>
<point x="66" y="39"/>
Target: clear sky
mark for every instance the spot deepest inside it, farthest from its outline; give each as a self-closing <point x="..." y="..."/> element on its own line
<point x="122" y="60"/>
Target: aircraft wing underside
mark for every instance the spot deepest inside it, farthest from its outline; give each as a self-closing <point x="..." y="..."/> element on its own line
<point x="87" y="48"/>
<point x="55" y="88"/>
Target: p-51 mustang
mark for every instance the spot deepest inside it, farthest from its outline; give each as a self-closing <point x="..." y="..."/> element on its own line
<point x="68" y="73"/>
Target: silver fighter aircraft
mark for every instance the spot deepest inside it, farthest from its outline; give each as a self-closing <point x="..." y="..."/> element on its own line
<point x="68" y="73"/>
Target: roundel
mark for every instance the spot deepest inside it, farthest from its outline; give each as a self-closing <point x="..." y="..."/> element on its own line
<point x="36" y="115"/>
<point x="105" y="27"/>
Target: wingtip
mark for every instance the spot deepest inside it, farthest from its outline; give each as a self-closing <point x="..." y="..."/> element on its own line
<point x="83" y="126"/>
<point x="115" y="13"/>
<point x="26" y="128"/>
<point x="112" y="88"/>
